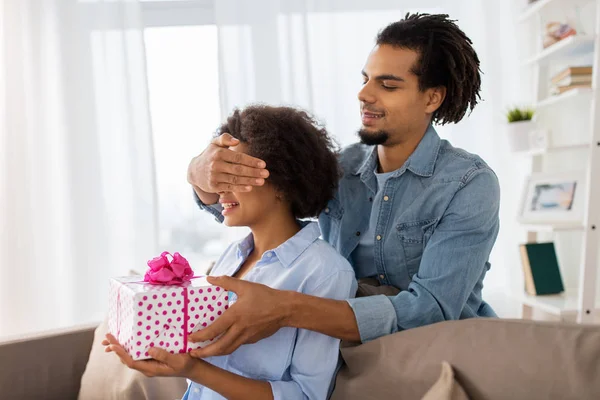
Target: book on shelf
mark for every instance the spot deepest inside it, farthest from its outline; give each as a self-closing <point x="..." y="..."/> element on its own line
<point x="540" y="269"/>
<point x="571" y="72"/>
<point x="561" y="89"/>
<point x="574" y="80"/>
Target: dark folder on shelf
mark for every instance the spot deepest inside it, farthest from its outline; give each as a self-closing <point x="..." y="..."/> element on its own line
<point x="540" y="268"/>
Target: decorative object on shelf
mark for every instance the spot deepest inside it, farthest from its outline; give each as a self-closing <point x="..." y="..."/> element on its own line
<point x="553" y="198"/>
<point x="555" y="32"/>
<point x="571" y="78"/>
<point x="540" y="269"/>
<point x="521" y="131"/>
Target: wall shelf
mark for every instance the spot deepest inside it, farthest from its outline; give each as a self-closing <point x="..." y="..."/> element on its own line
<point x="565" y="227"/>
<point x="573" y="93"/>
<point x="569" y="47"/>
<point x="537" y="7"/>
<point x="533" y="9"/>
<point x="566" y="303"/>
<point x="553" y="149"/>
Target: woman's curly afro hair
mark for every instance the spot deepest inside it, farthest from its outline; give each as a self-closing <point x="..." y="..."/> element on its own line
<point x="300" y="155"/>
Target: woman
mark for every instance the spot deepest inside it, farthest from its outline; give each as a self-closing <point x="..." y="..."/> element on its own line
<point x="281" y="252"/>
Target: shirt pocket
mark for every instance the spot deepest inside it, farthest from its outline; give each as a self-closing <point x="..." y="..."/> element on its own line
<point x="267" y="359"/>
<point x="413" y="238"/>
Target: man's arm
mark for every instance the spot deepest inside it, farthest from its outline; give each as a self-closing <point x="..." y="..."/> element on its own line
<point x="333" y="318"/>
<point x="452" y="265"/>
<point x="260" y="311"/>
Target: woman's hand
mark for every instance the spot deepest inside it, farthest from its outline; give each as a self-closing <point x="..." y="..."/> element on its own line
<point x="162" y="364"/>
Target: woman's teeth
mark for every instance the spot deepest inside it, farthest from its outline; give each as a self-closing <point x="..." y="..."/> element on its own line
<point x="230" y="205"/>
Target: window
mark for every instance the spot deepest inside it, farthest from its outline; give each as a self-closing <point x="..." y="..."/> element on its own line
<point x="182" y="64"/>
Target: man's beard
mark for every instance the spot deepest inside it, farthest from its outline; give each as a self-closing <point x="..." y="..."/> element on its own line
<point x="373" y="138"/>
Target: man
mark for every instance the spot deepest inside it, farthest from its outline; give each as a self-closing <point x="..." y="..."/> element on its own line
<point x="414" y="215"/>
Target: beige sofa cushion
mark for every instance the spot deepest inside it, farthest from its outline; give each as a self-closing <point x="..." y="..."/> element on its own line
<point x="106" y="378"/>
<point x="46" y="365"/>
<point x="446" y="387"/>
<point x="491" y="358"/>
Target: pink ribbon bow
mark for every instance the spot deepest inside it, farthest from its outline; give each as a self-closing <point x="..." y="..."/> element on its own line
<point x="165" y="272"/>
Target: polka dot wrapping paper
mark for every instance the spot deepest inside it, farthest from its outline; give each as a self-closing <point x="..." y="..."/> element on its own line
<point x="142" y="315"/>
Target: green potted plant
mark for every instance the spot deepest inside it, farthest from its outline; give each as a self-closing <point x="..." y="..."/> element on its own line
<point x="518" y="114"/>
<point x="522" y="135"/>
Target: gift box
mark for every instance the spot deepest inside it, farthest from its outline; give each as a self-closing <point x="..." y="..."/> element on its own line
<point x="163" y="308"/>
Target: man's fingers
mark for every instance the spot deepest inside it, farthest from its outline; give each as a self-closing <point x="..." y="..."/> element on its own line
<point x="221" y="325"/>
<point x="228" y="187"/>
<point x="228" y="283"/>
<point x="225" y="140"/>
<point x="236" y="157"/>
<point x="240" y="170"/>
<point x="221" y="346"/>
<point x="238" y="180"/>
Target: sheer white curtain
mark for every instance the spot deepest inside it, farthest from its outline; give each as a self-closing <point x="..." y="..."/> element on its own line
<point x="310" y="53"/>
<point x="77" y="196"/>
<point x="306" y="53"/>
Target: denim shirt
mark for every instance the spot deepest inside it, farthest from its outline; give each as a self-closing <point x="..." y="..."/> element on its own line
<point x="436" y="226"/>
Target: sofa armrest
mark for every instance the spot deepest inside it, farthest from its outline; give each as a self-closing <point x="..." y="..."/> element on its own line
<point x="48" y="365"/>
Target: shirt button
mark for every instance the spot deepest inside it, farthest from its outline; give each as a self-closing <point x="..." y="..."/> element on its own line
<point x="385" y="198"/>
<point x="357" y="233"/>
<point x="378" y="237"/>
<point x="327" y="211"/>
<point x="382" y="277"/>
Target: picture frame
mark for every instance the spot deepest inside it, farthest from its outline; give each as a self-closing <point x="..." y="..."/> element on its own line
<point x="553" y="198"/>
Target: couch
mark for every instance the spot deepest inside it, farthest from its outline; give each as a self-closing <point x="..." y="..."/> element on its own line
<point x="470" y="359"/>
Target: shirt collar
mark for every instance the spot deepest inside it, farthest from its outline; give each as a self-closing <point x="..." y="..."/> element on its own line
<point x="245" y="246"/>
<point x="291" y="249"/>
<point x="369" y="163"/>
<point x="421" y="161"/>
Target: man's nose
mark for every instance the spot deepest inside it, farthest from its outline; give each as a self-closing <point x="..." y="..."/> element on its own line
<point x="365" y="94"/>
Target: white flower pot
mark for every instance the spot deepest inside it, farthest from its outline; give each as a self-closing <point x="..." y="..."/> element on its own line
<point x="523" y="136"/>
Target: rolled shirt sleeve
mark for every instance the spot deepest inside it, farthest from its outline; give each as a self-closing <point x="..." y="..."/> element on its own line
<point x="214" y="209"/>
